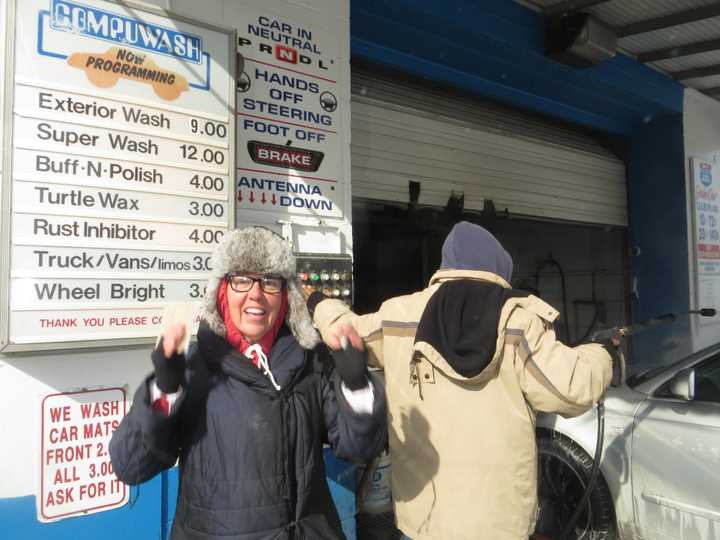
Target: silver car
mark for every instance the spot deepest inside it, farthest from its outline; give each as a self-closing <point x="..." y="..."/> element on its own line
<point x="660" y="469"/>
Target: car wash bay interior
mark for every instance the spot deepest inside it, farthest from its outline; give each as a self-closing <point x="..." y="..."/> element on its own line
<point x="424" y="158"/>
<point x="581" y="167"/>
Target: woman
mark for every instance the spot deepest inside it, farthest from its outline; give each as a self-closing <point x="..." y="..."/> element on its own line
<point x="247" y="410"/>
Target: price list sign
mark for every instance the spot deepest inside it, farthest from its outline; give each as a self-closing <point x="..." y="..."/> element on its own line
<point x="123" y="156"/>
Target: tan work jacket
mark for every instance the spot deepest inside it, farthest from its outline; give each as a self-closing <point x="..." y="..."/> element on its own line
<point x="464" y="458"/>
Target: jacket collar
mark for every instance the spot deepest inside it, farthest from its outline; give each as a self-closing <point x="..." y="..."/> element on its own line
<point x="286" y="359"/>
<point x="448" y="274"/>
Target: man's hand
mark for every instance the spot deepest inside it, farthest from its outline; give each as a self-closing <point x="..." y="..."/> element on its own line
<point x="169" y="364"/>
<point x="308" y="290"/>
<point x="349" y="356"/>
<point x="313" y="297"/>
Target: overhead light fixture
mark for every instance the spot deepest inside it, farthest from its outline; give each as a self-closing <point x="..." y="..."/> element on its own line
<point x="579" y="40"/>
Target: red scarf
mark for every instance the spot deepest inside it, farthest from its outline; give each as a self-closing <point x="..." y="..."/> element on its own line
<point x="233" y="335"/>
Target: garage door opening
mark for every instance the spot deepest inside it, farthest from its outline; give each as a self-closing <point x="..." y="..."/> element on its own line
<point x="581" y="270"/>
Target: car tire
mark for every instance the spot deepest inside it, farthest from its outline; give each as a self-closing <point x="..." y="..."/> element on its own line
<point x="563" y="472"/>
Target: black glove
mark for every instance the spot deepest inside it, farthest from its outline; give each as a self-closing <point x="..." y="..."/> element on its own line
<point x="350" y="363"/>
<point x="169" y="372"/>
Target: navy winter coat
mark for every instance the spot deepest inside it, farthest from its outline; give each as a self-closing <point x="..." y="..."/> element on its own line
<point x="251" y="457"/>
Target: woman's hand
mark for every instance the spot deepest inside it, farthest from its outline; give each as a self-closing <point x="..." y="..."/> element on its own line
<point x="169" y="364"/>
<point x="349" y="356"/>
<point x="335" y="339"/>
<point x="173" y="337"/>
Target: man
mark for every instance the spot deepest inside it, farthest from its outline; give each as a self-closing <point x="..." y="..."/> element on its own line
<point x="468" y="362"/>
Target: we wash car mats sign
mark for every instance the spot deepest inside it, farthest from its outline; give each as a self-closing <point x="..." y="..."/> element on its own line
<point x="122" y="156"/>
<point x="76" y="476"/>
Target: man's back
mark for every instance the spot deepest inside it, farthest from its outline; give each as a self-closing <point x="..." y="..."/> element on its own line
<point x="462" y="438"/>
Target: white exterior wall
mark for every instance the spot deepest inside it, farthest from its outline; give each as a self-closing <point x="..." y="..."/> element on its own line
<point x="26" y="379"/>
<point x="701" y="126"/>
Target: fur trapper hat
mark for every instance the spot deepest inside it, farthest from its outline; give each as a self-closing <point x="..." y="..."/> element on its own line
<point x="259" y="250"/>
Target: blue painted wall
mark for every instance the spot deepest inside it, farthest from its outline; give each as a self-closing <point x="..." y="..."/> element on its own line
<point x="139" y="519"/>
<point x="149" y="514"/>
<point x="495" y="48"/>
<point x="658" y="234"/>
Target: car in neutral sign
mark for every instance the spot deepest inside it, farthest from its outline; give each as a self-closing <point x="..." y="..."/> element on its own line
<point x="660" y="467"/>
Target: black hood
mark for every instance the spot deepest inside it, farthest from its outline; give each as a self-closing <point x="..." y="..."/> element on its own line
<point x="461" y="323"/>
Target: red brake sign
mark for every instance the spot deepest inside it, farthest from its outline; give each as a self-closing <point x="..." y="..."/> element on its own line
<point x="287" y="157"/>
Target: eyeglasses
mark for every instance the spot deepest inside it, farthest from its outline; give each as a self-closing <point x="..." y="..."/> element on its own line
<point x="243" y="283"/>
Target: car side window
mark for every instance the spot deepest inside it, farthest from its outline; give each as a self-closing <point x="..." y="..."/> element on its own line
<point x="707" y="380"/>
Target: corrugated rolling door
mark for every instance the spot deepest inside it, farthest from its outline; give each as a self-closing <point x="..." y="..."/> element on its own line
<point x="402" y="132"/>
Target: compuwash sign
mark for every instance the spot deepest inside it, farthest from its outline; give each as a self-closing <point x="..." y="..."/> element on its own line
<point x="100" y="24"/>
<point x="125" y="51"/>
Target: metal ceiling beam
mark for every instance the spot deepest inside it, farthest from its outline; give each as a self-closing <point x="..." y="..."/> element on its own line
<point x="666" y="21"/>
<point x="712" y="92"/>
<point x="695" y="73"/>
<point x="677" y="52"/>
<point x="571" y="6"/>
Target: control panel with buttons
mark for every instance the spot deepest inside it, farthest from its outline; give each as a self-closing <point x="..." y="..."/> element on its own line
<point x="329" y="274"/>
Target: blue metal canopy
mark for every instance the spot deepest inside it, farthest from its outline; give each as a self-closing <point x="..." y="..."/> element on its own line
<point x="495" y="49"/>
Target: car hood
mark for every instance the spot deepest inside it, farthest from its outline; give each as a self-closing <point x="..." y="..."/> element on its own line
<point x="620" y="406"/>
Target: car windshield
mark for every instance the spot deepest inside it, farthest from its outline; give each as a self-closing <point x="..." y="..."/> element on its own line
<point x="657" y="343"/>
<point x="644" y="375"/>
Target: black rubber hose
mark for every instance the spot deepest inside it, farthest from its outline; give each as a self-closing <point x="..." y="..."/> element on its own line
<point x="591" y="327"/>
<point x="593" y="474"/>
<point x="596" y="313"/>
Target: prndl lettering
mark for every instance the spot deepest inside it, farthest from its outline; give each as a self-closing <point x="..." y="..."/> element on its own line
<point x="98" y="24"/>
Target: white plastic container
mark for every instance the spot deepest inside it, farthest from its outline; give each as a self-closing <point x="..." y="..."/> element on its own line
<point x="377" y="496"/>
